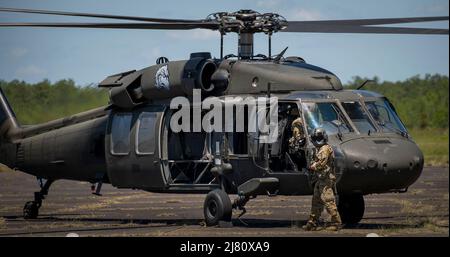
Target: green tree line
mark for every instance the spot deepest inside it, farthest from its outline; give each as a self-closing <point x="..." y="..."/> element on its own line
<point x="45" y="101"/>
<point x="422" y="102"/>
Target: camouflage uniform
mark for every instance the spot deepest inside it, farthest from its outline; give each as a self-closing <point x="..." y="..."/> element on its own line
<point x="298" y="136"/>
<point x="323" y="195"/>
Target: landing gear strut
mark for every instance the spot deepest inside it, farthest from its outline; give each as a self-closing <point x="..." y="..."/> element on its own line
<point x="351" y="208"/>
<point x="239" y="203"/>
<point x="31" y="208"/>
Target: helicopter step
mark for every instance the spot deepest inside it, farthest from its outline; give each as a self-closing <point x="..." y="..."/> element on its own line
<point x="31" y="208"/>
<point x="259" y="186"/>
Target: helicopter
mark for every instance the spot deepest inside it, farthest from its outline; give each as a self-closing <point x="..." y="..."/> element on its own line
<point x="129" y="143"/>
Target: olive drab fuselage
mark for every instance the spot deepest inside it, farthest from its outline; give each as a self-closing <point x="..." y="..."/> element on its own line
<point x="130" y="144"/>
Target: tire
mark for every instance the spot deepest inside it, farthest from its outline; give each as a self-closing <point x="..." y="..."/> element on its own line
<point x="351" y="208"/>
<point x="217" y="207"/>
<point x="30" y="210"/>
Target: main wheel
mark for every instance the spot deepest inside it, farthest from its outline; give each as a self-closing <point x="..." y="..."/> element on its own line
<point x="351" y="208"/>
<point x="31" y="210"/>
<point x="217" y="207"/>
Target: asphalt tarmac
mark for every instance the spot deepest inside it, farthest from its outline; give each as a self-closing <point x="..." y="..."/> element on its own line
<point x="71" y="208"/>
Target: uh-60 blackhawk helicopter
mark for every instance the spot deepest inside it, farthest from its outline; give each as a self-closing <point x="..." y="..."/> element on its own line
<point x="129" y="143"/>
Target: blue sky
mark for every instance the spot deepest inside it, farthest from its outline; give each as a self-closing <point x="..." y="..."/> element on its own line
<point x="89" y="55"/>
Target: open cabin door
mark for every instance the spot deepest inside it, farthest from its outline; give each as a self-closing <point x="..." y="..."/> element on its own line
<point x="283" y="157"/>
<point x="287" y="164"/>
<point x="186" y="158"/>
<point x="133" y="148"/>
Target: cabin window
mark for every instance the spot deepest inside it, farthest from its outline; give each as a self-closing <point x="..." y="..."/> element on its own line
<point x="145" y="140"/>
<point x="120" y="133"/>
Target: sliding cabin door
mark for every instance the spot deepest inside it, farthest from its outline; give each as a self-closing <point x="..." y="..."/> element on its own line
<point x="133" y="148"/>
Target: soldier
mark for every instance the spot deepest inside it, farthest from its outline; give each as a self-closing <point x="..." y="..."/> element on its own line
<point x="298" y="136"/>
<point x="323" y="195"/>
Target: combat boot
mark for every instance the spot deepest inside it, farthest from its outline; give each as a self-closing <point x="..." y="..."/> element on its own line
<point x="310" y="226"/>
<point x="334" y="227"/>
<point x="336" y="223"/>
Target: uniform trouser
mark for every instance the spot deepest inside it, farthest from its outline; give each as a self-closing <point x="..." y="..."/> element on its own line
<point x="323" y="197"/>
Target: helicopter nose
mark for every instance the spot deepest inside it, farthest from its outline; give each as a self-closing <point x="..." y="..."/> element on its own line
<point x="376" y="165"/>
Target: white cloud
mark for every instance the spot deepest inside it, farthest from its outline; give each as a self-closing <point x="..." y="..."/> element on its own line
<point x="18" y="52"/>
<point x="435" y="9"/>
<point x="156" y="51"/>
<point x="30" y="70"/>
<point x="152" y="55"/>
<point x="196" y="34"/>
<point x="303" y="15"/>
<point x="268" y="3"/>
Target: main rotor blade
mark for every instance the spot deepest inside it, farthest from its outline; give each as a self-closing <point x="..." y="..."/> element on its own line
<point x="364" y="29"/>
<point x="93" y="15"/>
<point x="168" y="26"/>
<point x="362" y="22"/>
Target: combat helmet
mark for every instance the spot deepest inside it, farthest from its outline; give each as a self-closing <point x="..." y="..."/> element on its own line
<point x="319" y="137"/>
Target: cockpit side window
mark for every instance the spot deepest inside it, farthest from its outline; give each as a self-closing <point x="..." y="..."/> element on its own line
<point x="358" y="116"/>
<point x="326" y="115"/>
<point x="385" y="116"/>
<point x="120" y="133"/>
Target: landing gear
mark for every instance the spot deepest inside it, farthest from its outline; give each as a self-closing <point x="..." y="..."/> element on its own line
<point x="31" y="208"/>
<point x="217" y="207"/>
<point x="239" y="203"/>
<point x="351" y="208"/>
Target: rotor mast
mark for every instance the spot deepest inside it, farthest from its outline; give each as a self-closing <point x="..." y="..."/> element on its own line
<point x="245" y="41"/>
<point x="245" y="45"/>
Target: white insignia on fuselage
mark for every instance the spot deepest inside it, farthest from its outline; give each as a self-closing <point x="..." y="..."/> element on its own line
<point x="162" y="78"/>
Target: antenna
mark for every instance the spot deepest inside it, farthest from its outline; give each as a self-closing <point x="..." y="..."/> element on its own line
<point x="280" y="55"/>
<point x="364" y="83"/>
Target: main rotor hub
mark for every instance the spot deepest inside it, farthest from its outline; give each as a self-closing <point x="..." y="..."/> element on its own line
<point x="248" y="21"/>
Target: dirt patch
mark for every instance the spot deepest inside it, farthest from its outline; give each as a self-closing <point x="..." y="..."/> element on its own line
<point x="4" y="168"/>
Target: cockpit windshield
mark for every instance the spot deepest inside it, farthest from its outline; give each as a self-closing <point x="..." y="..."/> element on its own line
<point x="358" y="116"/>
<point x="385" y="116"/>
<point x="327" y="116"/>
